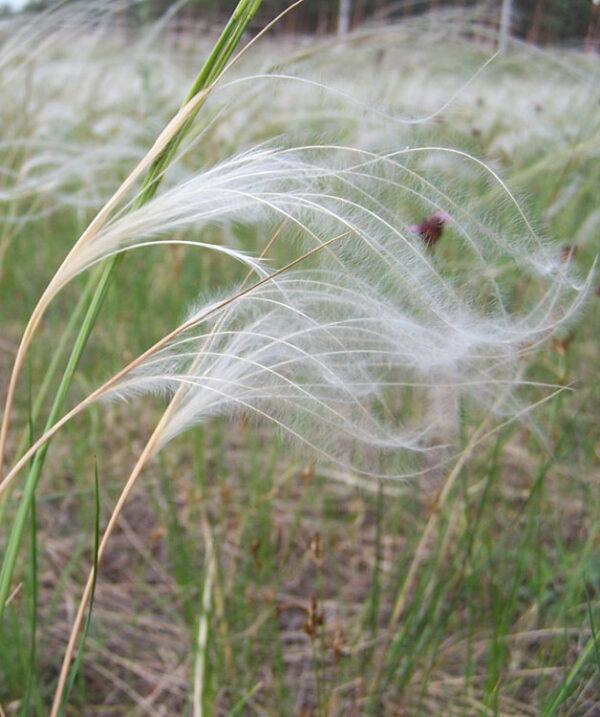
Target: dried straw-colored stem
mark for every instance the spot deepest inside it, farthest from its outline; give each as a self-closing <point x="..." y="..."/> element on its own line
<point x="98" y="222"/>
<point x="141" y="462"/>
<point x="129" y="485"/>
<point x="166" y="136"/>
<point x="111" y="383"/>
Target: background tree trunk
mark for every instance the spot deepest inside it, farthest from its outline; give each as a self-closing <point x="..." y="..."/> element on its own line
<point x="505" y="25"/>
<point x="592" y="27"/>
<point x="344" y="17"/>
<point x="534" y="29"/>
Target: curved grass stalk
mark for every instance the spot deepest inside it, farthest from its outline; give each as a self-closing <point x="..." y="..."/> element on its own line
<point x="114" y="380"/>
<point x="159" y="146"/>
<point x="363" y="107"/>
<point x="157" y="159"/>
<point x="129" y="485"/>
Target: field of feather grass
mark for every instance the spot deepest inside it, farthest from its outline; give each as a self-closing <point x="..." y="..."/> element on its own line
<point x="249" y="575"/>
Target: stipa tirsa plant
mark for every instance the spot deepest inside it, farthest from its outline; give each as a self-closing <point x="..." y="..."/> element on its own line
<point x="379" y="311"/>
<point x="347" y="345"/>
<point x="330" y="355"/>
<point x="384" y="301"/>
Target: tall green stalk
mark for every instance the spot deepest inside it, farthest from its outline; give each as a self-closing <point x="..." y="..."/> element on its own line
<point x="213" y="67"/>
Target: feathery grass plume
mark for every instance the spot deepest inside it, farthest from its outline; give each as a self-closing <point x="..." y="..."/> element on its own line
<point x="320" y="190"/>
<point x="377" y="197"/>
<point x="330" y="362"/>
<point x="340" y="357"/>
<point x="380" y="311"/>
<point x="60" y="103"/>
<point x="460" y="320"/>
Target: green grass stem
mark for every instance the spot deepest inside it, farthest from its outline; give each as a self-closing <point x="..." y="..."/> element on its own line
<point x="210" y="71"/>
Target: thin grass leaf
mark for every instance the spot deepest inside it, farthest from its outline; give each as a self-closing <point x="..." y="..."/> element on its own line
<point x="33" y="564"/>
<point x="79" y="656"/>
<point x="234" y="29"/>
<point x="569" y="683"/>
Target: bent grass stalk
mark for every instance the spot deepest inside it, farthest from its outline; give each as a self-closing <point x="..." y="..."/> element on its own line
<point x="113" y="381"/>
<point x="156" y="150"/>
<point x="129" y="485"/>
<point x="156" y="161"/>
<point x="89" y="320"/>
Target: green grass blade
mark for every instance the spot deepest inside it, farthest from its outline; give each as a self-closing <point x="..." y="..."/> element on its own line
<point x="569" y="683"/>
<point x="77" y="661"/>
<point x="211" y="69"/>
<point x="14" y="542"/>
<point x="31" y="681"/>
<point x="241" y="703"/>
<point x="74" y="319"/>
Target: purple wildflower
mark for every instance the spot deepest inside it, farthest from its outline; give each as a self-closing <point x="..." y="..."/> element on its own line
<point x="431" y="228"/>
